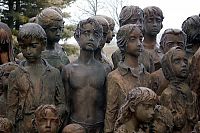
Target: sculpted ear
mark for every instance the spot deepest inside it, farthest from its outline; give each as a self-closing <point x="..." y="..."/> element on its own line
<point x="132" y="107"/>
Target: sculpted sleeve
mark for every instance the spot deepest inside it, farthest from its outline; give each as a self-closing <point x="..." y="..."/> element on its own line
<point x="112" y="106"/>
<point x="13" y="97"/>
<point x="192" y="109"/>
<point x="59" y="96"/>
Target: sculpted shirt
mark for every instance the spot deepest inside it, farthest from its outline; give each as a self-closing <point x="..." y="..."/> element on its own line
<point x="185" y="112"/>
<point x="22" y="101"/>
<point x="55" y="58"/>
<point x="145" y="58"/>
<point x="156" y="55"/>
<point x="119" y="83"/>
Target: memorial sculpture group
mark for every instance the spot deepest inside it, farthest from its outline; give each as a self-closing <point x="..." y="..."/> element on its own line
<point x="148" y="87"/>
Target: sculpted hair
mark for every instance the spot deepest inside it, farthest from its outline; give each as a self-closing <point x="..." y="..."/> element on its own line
<point x="5" y="34"/>
<point x="41" y="113"/>
<point x="32" y="30"/>
<point x="135" y="97"/>
<point x="111" y="22"/>
<point x="127" y="13"/>
<point x="153" y="11"/>
<point x="123" y="36"/>
<point x="191" y="26"/>
<point x="172" y="32"/>
<point x="79" y="29"/>
<point x="73" y="128"/>
<point x="103" y="22"/>
<point x="164" y="114"/>
<point x="5" y="125"/>
<point x="166" y="63"/>
<point x="48" y="16"/>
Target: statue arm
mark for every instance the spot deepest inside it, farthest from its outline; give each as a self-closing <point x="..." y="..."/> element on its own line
<point x="112" y="104"/>
<point x="65" y="80"/>
<point x="59" y="95"/>
<point x="13" y="97"/>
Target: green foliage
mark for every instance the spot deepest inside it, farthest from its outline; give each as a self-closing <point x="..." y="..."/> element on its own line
<point x="71" y="49"/>
<point x="68" y="31"/>
<point x="17" y="12"/>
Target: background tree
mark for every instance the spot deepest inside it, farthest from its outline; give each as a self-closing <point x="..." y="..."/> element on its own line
<point x="18" y="12"/>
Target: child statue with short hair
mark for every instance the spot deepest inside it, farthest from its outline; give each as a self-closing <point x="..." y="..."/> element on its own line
<point x="34" y="82"/>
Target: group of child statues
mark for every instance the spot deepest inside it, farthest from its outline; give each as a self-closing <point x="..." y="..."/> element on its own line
<point x="147" y="88"/>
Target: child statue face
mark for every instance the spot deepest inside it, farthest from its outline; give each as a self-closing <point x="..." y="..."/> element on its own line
<point x="173" y="41"/>
<point x="134" y="43"/>
<point x="153" y="24"/>
<point x="144" y="111"/>
<point x="54" y="32"/>
<point x="89" y="38"/>
<point x="180" y="64"/>
<point x="31" y="49"/>
<point x="49" y="123"/>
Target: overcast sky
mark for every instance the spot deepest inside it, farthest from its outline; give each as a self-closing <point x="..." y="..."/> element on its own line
<point x="175" y="11"/>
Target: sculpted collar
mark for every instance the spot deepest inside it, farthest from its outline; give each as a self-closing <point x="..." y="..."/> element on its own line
<point x="48" y="67"/>
<point x="124" y="69"/>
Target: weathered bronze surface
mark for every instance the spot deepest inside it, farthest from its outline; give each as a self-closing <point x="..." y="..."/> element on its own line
<point x="84" y="80"/>
<point x="34" y="82"/>
<point x="178" y="97"/>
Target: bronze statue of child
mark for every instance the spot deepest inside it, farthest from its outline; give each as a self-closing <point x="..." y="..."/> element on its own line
<point x="153" y="18"/>
<point x="191" y="26"/>
<point x="52" y="22"/>
<point x="6" y="49"/>
<point x="99" y="53"/>
<point x="84" y="80"/>
<point x="128" y="75"/>
<point x="170" y="38"/>
<point x="34" y="82"/>
<point x="178" y="96"/>
<point x="137" y="111"/>
<point x="134" y="15"/>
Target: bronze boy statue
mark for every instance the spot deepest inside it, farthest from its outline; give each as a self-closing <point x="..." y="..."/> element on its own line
<point x="34" y="82"/>
<point x="84" y="80"/>
<point x="52" y="22"/>
<point x="99" y="54"/>
<point x="153" y="18"/>
<point x="178" y="97"/>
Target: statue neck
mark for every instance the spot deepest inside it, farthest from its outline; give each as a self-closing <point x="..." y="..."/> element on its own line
<point x="149" y="41"/>
<point x="97" y="54"/>
<point x="131" y="61"/>
<point x="50" y="45"/>
<point x="86" y="56"/>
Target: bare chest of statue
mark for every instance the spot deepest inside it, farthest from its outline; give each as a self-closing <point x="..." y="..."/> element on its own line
<point x="87" y="85"/>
